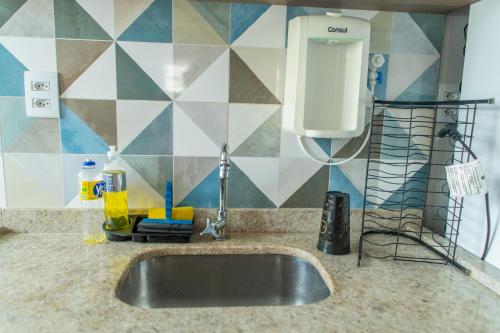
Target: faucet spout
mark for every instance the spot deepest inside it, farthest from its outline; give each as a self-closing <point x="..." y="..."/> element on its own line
<point x="217" y="229"/>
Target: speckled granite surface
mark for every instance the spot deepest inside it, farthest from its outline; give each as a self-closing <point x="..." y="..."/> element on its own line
<point x="54" y="283"/>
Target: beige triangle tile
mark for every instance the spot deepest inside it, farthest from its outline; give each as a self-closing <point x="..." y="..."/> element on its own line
<point x="75" y="56"/>
<point x="100" y="116"/>
<point x="190" y="27"/>
<point x="98" y="81"/>
<point x="127" y="11"/>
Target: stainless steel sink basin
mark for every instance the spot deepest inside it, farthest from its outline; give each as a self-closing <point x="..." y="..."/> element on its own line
<point x="222" y="280"/>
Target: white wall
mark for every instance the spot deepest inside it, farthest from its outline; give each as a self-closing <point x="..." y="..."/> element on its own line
<point x="481" y="79"/>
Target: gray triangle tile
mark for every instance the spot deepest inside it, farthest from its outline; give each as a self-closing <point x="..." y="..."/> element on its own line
<point x="311" y="194"/>
<point x="265" y="141"/>
<point x="155" y="170"/>
<point x="132" y="81"/>
<point x="243" y="193"/>
<point x="156" y="138"/>
<point x="352" y="146"/>
<point x="72" y="21"/>
<point x="8" y="8"/>
<point x="34" y="19"/>
<point x="211" y="118"/>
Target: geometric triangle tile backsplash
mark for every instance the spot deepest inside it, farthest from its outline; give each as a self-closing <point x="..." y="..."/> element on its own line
<point x="167" y="81"/>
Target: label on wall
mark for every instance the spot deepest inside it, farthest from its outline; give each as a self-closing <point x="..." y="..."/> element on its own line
<point x="466" y="179"/>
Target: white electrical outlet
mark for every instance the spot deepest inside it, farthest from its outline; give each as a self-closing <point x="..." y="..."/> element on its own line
<point x="41" y="103"/>
<point x="41" y="94"/>
<point x="40" y="85"/>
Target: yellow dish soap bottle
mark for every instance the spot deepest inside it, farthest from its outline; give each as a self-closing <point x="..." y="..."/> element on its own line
<point x="115" y="193"/>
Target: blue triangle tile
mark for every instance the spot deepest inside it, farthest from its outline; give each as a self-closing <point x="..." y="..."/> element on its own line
<point x="339" y="182"/>
<point x="156" y="138"/>
<point x="77" y="137"/>
<point x="153" y="25"/>
<point x="412" y="194"/>
<point x="424" y="88"/>
<point x="325" y="145"/>
<point x="432" y="25"/>
<point x="206" y="194"/>
<point x="11" y="73"/>
<point x="243" y="193"/>
<point x="243" y="15"/>
<point x="294" y="11"/>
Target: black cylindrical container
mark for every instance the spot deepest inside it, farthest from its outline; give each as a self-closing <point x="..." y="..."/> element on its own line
<point x="334" y="236"/>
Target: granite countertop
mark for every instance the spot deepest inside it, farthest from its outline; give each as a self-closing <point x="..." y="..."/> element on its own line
<point x="53" y="283"/>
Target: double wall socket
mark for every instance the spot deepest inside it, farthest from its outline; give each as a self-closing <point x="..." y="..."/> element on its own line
<point x="41" y="91"/>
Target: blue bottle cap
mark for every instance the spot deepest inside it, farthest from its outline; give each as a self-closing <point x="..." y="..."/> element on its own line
<point x="88" y="163"/>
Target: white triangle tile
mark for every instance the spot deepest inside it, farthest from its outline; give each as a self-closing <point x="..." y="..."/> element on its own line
<point x="98" y="81"/>
<point x="40" y="173"/>
<point x="102" y="11"/>
<point x="363" y="14"/>
<point x="404" y="69"/>
<point x="140" y="194"/>
<point x="156" y="59"/>
<point x="244" y="119"/>
<point x="33" y="19"/>
<point x="74" y="203"/>
<point x="290" y="147"/>
<point x="126" y="12"/>
<point x="37" y="54"/>
<point x="189" y="139"/>
<point x="293" y="173"/>
<point x="133" y="117"/>
<point x="263" y="172"/>
<point x="269" y="66"/>
<point x="268" y="30"/>
<point x="2" y="185"/>
<point x="212" y="85"/>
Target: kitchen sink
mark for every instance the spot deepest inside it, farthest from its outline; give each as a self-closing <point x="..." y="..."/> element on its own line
<point x="222" y="280"/>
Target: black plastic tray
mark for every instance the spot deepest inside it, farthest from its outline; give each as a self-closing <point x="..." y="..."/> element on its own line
<point x="171" y="235"/>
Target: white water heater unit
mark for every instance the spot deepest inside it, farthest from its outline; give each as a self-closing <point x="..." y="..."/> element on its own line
<point x="326" y="76"/>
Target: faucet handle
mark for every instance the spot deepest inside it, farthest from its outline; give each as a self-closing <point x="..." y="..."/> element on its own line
<point x="209" y="230"/>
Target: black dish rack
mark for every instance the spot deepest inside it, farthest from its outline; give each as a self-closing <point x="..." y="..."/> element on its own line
<point x="408" y="213"/>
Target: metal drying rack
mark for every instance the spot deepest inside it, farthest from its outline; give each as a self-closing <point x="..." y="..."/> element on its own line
<point x="408" y="213"/>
